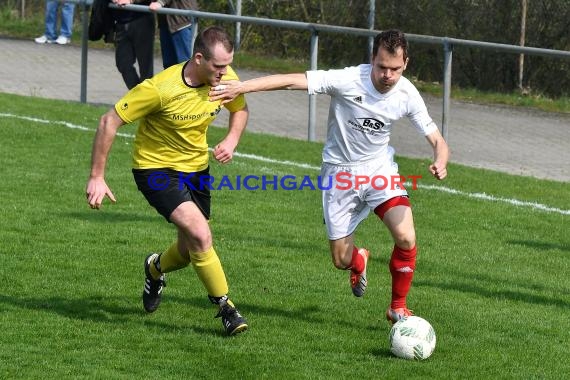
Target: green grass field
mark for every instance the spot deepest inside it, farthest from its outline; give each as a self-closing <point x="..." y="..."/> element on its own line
<point x="492" y="276"/>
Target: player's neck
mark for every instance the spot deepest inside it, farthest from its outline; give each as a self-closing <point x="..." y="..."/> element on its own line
<point x="191" y="75"/>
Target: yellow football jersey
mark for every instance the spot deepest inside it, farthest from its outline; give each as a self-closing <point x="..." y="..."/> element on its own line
<point x="174" y="119"/>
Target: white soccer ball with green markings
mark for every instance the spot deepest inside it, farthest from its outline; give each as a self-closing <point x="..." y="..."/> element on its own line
<point x="412" y="338"/>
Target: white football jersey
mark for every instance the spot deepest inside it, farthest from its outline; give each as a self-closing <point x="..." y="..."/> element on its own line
<point x="361" y="118"/>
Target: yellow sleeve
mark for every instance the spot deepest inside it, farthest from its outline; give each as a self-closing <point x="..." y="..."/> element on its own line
<point x="138" y="102"/>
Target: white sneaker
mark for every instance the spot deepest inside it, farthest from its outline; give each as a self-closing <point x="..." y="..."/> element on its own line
<point x="43" y="40"/>
<point x="61" y="40"/>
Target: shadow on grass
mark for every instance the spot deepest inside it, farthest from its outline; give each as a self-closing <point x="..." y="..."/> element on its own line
<point x="96" y="308"/>
<point x="316" y="313"/>
<point x="513" y="295"/>
<point x="540" y="245"/>
<point x="311" y="314"/>
<point x="100" y="309"/>
<point x="382" y="353"/>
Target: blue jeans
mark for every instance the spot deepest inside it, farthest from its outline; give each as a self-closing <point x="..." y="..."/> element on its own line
<point x="175" y="47"/>
<point x="67" y="10"/>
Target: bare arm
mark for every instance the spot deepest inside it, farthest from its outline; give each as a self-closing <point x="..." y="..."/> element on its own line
<point x="229" y="90"/>
<point x="297" y="81"/>
<point x="440" y="155"/>
<point x="224" y="151"/>
<point x="96" y="188"/>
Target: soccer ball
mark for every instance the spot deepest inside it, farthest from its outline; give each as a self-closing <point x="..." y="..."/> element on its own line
<point x="411" y="338"/>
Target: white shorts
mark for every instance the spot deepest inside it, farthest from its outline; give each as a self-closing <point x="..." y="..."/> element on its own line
<point x="351" y="191"/>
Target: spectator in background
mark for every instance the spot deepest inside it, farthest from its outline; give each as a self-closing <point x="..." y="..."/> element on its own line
<point x="175" y="31"/>
<point x="50" y="35"/>
<point x="134" y="42"/>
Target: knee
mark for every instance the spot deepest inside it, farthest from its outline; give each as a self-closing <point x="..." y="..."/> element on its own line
<point x="202" y="242"/>
<point x="196" y="241"/>
<point x="405" y="240"/>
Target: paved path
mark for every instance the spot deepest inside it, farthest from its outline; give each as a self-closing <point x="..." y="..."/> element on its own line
<point x="507" y="139"/>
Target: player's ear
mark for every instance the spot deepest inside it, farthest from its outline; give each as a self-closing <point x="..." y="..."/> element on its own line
<point x="199" y="58"/>
<point x="406" y="63"/>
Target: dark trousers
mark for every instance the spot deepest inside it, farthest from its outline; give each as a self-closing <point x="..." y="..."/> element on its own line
<point x="134" y="42"/>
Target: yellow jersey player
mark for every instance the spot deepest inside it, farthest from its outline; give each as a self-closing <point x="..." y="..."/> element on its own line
<point x="170" y="156"/>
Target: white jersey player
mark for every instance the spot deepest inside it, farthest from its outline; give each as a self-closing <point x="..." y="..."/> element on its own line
<point x="366" y="100"/>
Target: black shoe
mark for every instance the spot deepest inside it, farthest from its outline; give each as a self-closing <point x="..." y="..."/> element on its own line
<point x="152" y="288"/>
<point x="232" y="320"/>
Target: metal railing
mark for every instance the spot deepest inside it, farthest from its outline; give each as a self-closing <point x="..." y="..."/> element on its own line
<point x="446" y="43"/>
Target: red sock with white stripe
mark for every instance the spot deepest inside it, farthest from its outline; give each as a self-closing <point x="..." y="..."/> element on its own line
<point x="402" y="266"/>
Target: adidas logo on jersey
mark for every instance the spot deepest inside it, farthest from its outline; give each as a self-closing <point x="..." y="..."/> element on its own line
<point x="358" y="99"/>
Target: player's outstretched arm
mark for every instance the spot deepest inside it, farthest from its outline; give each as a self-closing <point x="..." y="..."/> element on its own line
<point x="229" y="90"/>
<point x="440" y="155"/>
<point x="97" y="189"/>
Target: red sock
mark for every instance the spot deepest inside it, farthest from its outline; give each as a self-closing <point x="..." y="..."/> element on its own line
<point x="357" y="263"/>
<point x="402" y="266"/>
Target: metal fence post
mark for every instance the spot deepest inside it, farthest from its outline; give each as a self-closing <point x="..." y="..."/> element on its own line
<point x="371" y="17"/>
<point x="313" y="98"/>
<point x="84" y="47"/>
<point x="238" y="26"/>
<point x="448" y="55"/>
<point x="194" y="33"/>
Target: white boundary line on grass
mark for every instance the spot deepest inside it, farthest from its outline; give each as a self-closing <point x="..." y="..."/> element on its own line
<point x="482" y="196"/>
